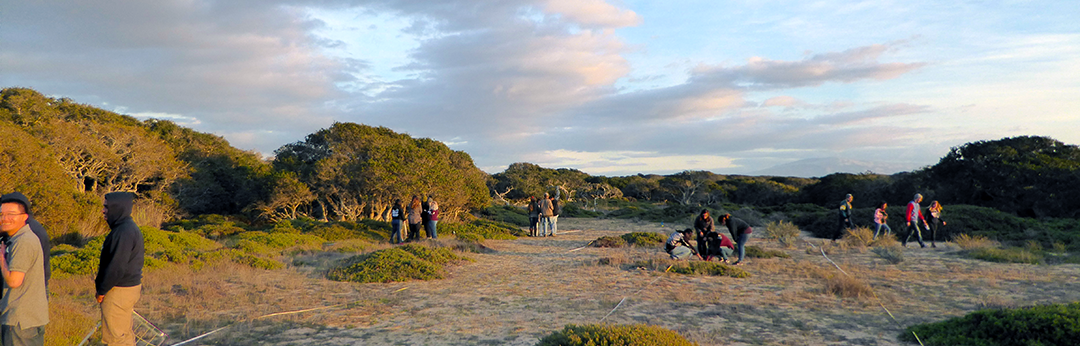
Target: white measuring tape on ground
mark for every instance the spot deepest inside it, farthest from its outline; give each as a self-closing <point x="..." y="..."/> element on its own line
<point x="822" y="249"/>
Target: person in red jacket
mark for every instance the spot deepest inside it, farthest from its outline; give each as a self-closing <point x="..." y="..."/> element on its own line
<point x="913" y="216"/>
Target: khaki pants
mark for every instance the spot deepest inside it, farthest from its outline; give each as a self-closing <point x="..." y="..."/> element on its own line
<point x="116" y="311"/>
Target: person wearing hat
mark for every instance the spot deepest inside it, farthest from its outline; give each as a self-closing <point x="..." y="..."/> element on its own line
<point x="845" y="217"/>
<point x="678" y="245"/>
<point x="24" y="307"/>
<point x="39" y="230"/>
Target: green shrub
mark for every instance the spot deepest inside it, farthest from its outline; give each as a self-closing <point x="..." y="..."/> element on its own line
<point x="485" y="228"/>
<point x="644" y="239"/>
<point x="609" y="241"/>
<point x="668" y="212"/>
<point x="506" y="214"/>
<point x="470" y="237"/>
<point x="784" y="232"/>
<point x="754" y="251"/>
<point x="256" y="261"/>
<point x="437" y="255"/>
<point x="573" y="210"/>
<point x="614" y="335"/>
<point x="692" y="268"/>
<point x="283" y="241"/>
<point x="82" y="261"/>
<point x="1007" y="255"/>
<point x="388" y="265"/>
<point x="1055" y="324"/>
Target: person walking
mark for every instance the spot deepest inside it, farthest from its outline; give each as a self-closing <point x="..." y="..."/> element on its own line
<point x="24" y="307"/>
<point x="397" y="217"/>
<point x="845" y="217"/>
<point x="914" y="215"/>
<point x="881" y="218"/>
<point x="546" y="211"/>
<point x="414" y="218"/>
<point x="433" y="217"/>
<point x="119" y="277"/>
<point x="740" y="231"/>
<point x="703" y="224"/>
<point x="935" y="221"/>
<point x="425" y="215"/>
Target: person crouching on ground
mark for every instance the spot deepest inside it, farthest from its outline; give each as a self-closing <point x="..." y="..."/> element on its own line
<point x="678" y="245"/>
<point x="740" y="231"/>
<point x="719" y="245"/>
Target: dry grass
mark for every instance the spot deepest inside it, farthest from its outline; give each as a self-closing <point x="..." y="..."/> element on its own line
<point x="786" y="233"/>
<point x="846" y="286"/>
<point x="858" y="238"/>
<point x="967" y="242"/>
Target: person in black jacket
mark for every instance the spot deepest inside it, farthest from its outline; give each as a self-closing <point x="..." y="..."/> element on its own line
<point x="703" y="224"/>
<point x="740" y="231"/>
<point x="35" y="226"/>
<point x="119" y="278"/>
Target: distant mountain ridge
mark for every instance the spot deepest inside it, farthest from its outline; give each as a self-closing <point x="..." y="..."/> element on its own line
<point x="822" y="166"/>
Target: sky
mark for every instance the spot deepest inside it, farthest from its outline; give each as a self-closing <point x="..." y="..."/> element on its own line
<point x="607" y="87"/>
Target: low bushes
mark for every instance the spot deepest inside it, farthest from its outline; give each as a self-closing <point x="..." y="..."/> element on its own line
<point x="754" y="251"/>
<point x="614" y="335"/>
<point x="507" y="214"/>
<point x="644" y="239"/>
<point x="847" y="287"/>
<point x="784" y="232"/>
<point x="1054" y="324"/>
<point x="693" y="268"/>
<point x="409" y="262"/>
<point x="484" y="228"/>
<point x="609" y="241"/>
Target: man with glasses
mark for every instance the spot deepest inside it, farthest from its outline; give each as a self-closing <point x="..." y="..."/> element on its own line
<point x="24" y="308"/>
<point x="36" y="227"/>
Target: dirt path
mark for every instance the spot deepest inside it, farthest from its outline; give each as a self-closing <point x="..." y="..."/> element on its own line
<point x="531" y="287"/>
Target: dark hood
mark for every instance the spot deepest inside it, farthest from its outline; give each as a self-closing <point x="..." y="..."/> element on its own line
<point x="119" y="204"/>
<point x="19" y="198"/>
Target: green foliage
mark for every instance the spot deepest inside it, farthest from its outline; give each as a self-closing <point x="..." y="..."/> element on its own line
<point x="282" y="240"/>
<point x="347" y="160"/>
<point x="609" y="241"/>
<point x="1055" y="324"/>
<point x="669" y="212"/>
<point x="506" y="213"/>
<point x="754" y="251"/>
<point x="692" y="268"/>
<point x="614" y="335"/>
<point x="437" y="255"/>
<point x="388" y="265"/>
<point x="1007" y="255"/>
<point x="83" y="260"/>
<point x="484" y="228"/>
<point x="573" y="210"/>
<point x="470" y="237"/>
<point x="784" y="232"/>
<point x="644" y="239"/>
<point x="529" y="179"/>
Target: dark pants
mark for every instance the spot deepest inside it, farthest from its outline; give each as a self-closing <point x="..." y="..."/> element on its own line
<point x="396" y="237"/>
<point x="702" y="246"/>
<point x="934" y="225"/>
<point x="914" y="229"/>
<point x="14" y="336"/>
<point x="845" y="223"/>
<point x="414" y="231"/>
<point x="533" y="220"/>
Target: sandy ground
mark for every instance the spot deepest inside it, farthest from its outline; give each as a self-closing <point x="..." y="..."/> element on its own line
<point x="530" y="287"/>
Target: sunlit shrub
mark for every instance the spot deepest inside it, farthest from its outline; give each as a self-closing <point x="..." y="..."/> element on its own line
<point x="644" y="239"/>
<point x="614" y="335"/>
<point x="1054" y="324"/>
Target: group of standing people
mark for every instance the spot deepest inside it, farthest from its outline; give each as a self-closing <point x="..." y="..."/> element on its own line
<point x="418" y="215"/>
<point x="711" y="243"/>
<point x="544" y="216"/>
<point x="24" y="245"/>
<point x="912" y="216"/>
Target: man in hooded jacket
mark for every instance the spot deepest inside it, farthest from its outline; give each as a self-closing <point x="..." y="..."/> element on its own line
<point x="119" y="279"/>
